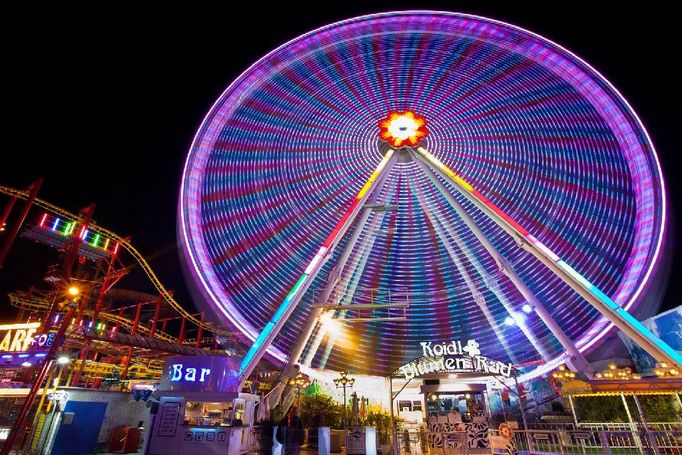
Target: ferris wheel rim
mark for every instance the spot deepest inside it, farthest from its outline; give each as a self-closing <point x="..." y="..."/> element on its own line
<point x="200" y="265"/>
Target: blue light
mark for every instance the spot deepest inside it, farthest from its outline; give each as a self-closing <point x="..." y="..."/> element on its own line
<point x="180" y="373"/>
<point x="255" y="346"/>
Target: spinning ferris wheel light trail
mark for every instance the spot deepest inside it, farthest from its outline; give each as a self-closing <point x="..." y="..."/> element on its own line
<point x="536" y="147"/>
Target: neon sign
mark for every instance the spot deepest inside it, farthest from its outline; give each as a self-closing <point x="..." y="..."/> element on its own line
<point x="181" y="374"/>
<point x="453" y="357"/>
<point x="18" y="337"/>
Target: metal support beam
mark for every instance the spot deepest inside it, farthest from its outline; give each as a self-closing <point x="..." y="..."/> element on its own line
<point x="7" y="244"/>
<point x="508" y="270"/>
<point x="592" y="294"/>
<point x="478" y="297"/>
<point x="287" y="306"/>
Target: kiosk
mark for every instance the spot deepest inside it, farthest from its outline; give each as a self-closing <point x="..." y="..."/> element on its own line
<point x="200" y="409"/>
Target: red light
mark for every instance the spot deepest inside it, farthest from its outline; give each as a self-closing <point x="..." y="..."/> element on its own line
<point x="403" y="128"/>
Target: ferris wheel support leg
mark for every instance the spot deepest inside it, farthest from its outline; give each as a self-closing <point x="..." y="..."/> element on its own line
<point x="475" y="292"/>
<point x="623" y="320"/>
<point x="273" y="327"/>
<point x="350" y="286"/>
<point x="332" y="283"/>
<point x="502" y="263"/>
<point x="334" y="275"/>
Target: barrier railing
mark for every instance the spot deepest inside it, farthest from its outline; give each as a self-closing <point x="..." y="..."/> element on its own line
<point x="545" y="442"/>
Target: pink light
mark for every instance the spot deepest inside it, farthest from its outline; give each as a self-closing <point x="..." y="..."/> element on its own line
<point x="42" y="220"/>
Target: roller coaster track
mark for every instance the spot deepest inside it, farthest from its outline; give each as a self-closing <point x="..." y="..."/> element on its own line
<point x="41" y="304"/>
<point x="125" y="244"/>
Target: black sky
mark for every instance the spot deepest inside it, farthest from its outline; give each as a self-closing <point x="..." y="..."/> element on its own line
<point x="104" y="104"/>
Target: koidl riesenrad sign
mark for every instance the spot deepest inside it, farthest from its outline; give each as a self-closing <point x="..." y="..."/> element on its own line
<point x="453" y="357"/>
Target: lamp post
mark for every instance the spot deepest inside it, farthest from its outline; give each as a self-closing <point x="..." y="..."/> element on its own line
<point x="299" y="382"/>
<point x="18" y="428"/>
<point x="345" y="382"/>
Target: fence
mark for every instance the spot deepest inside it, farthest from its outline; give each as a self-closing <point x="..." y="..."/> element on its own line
<point x="545" y="442"/>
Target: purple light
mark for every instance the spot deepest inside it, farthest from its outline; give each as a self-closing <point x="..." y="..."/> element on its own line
<point x="535" y="129"/>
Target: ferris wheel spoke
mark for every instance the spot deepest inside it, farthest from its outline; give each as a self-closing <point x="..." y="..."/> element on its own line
<point x="349" y="285"/>
<point x="478" y="297"/>
<point x="273" y="327"/>
<point x="660" y="350"/>
<point x="509" y="271"/>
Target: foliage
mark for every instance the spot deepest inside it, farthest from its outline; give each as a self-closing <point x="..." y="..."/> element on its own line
<point x="660" y="408"/>
<point x="657" y="408"/>
<point x="321" y="410"/>
<point x="382" y="421"/>
<point x="600" y="409"/>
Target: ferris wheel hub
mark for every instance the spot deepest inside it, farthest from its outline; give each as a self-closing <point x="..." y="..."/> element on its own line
<point x="401" y="128"/>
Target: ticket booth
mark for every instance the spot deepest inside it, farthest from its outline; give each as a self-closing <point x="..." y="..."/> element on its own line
<point x="201" y="410"/>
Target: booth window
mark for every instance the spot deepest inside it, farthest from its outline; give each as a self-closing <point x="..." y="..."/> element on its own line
<point x="208" y="413"/>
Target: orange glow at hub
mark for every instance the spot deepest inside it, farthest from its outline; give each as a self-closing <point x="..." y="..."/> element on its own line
<point x="403" y="128"/>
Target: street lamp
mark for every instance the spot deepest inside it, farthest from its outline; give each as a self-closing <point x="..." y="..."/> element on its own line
<point x="344" y="381"/>
<point x="18" y="427"/>
<point x="299" y="382"/>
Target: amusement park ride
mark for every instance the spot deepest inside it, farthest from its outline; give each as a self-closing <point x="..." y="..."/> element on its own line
<point x="461" y="177"/>
<point x="107" y="329"/>
<point x="385" y="181"/>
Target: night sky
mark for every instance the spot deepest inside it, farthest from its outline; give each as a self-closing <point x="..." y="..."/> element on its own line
<point x="105" y="108"/>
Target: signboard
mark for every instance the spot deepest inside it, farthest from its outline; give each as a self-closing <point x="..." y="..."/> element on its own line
<point x="17" y="337"/>
<point x="453" y="356"/>
<point x="200" y="374"/>
<point x="168" y="423"/>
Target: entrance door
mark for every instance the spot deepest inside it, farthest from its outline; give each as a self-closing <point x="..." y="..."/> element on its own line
<point x="79" y="429"/>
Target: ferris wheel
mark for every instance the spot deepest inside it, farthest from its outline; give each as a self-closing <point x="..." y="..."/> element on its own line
<point x="477" y="180"/>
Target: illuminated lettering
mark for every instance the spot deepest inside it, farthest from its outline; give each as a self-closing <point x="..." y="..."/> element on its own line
<point x="446" y="357"/>
<point x="18" y="337"/>
<point x="179" y="373"/>
<point x="176" y="373"/>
